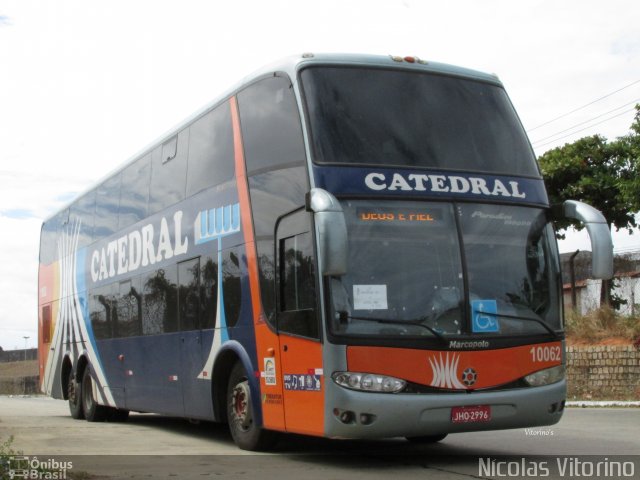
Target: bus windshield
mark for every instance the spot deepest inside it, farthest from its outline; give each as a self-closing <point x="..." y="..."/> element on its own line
<point x="372" y="116"/>
<point x="410" y="264"/>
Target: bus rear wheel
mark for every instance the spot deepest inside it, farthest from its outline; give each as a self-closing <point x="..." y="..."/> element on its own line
<point x="74" y="394"/>
<point x="246" y="434"/>
<point x="92" y="411"/>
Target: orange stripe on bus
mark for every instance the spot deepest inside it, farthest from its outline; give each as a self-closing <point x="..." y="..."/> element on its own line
<point x="267" y="343"/>
<point x="245" y="214"/>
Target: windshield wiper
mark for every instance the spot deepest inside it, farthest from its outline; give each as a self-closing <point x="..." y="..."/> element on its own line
<point x="530" y="319"/>
<point x="416" y="323"/>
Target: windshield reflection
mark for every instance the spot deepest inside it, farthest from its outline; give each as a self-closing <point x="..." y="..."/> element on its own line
<point x="406" y="278"/>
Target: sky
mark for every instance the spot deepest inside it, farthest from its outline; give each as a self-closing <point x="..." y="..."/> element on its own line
<point x="85" y="85"/>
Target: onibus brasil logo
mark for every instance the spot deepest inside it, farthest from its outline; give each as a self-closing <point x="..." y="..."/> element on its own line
<point x="21" y="466"/>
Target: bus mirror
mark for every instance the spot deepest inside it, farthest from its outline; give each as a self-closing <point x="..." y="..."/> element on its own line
<point x="599" y="234"/>
<point x="332" y="232"/>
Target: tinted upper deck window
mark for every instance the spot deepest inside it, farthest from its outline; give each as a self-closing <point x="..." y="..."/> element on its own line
<point x="211" y="160"/>
<point x="374" y="116"/>
<point x="51" y="235"/>
<point x="134" y="195"/>
<point x="107" y="206"/>
<point x="83" y="211"/>
<point x="271" y="130"/>
<point x="169" y="172"/>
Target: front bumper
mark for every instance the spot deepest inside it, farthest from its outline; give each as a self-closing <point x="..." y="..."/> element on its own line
<point x="412" y="415"/>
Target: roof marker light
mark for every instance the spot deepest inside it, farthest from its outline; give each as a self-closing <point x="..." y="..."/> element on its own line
<point x="396" y="58"/>
<point x="410" y="59"/>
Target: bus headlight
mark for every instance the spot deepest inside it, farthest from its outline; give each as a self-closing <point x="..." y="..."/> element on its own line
<point x="368" y="382"/>
<point x="546" y="376"/>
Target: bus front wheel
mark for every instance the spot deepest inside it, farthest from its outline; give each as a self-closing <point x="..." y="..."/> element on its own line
<point x="246" y="434"/>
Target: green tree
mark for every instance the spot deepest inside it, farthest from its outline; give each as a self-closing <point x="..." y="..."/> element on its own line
<point x="603" y="174"/>
<point x="629" y="148"/>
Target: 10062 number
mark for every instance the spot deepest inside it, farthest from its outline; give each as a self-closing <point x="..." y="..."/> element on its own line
<point x="546" y="354"/>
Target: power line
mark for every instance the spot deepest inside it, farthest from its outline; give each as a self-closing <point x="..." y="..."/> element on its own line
<point x="585" y="128"/>
<point x="583" y="106"/>
<point x="586" y="121"/>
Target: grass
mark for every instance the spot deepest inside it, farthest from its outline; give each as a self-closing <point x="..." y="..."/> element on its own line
<point x="7" y="453"/>
<point x="602" y="325"/>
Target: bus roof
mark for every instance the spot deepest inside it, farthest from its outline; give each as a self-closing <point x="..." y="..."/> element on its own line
<point x="291" y="65"/>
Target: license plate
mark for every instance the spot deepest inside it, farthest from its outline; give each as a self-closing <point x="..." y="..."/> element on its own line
<point x="473" y="414"/>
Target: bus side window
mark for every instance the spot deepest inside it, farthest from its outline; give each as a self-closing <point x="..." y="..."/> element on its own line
<point x="271" y="130"/>
<point x="83" y="211"/>
<point x="134" y="198"/>
<point x="169" y="172"/>
<point x="129" y="308"/>
<point x="51" y="232"/>
<point x="275" y="158"/>
<point x="296" y="274"/>
<point x="101" y="312"/>
<point x="211" y="160"/>
<point x="160" y="302"/>
<point x="107" y="205"/>
<point x="208" y="291"/>
<point x="231" y="285"/>
<point x="189" y="294"/>
<point x="152" y="304"/>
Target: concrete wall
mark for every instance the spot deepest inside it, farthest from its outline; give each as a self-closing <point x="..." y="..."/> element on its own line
<point x="588" y="295"/>
<point x="20" y="386"/>
<point x="610" y="372"/>
<point x="18" y="355"/>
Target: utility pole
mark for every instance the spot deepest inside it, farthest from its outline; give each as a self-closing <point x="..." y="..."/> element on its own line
<point x="572" y="272"/>
<point x="26" y="337"/>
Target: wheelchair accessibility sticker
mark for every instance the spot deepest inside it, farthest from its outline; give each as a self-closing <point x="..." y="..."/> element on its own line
<point x="484" y="316"/>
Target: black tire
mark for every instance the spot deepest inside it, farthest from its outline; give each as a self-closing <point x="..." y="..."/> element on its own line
<point x="246" y="434"/>
<point x="74" y="395"/>
<point x="117" y="415"/>
<point x="427" y="438"/>
<point x="92" y="411"/>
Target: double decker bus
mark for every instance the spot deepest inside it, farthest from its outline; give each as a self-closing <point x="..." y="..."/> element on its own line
<point x="341" y="246"/>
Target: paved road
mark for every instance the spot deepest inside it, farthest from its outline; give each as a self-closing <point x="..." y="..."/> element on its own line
<point x="151" y="446"/>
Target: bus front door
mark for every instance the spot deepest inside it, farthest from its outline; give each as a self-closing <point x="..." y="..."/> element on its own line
<point x="298" y="326"/>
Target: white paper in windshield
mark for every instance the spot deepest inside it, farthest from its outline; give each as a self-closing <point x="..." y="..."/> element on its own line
<point x="370" y="297"/>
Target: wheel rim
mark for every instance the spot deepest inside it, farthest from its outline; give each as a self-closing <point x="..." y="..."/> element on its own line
<point x="73" y="394"/>
<point x="240" y="405"/>
<point x="87" y="393"/>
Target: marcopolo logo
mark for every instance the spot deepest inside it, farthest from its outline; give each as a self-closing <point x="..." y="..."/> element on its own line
<point x="21" y="466"/>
